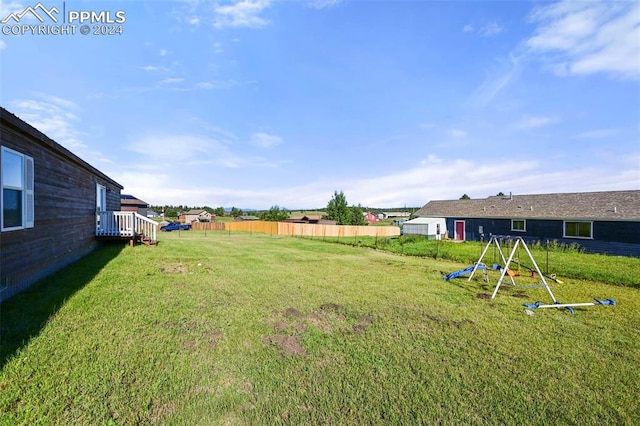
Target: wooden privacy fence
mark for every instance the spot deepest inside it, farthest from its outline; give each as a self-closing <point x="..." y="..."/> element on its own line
<point x="312" y="230"/>
<point x="207" y="226"/>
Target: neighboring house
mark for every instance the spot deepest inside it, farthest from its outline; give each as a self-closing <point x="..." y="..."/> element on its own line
<point x="370" y="217"/>
<point x="50" y="203"/>
<point x="599" y="222"/>
<point x="389" y="215"/>
<point x="196" y="216"/>
<point x="130" y="203"/>
<point x="245" y="218"/>
<point x="312" y="219"/>
<point x="152" y="214"/>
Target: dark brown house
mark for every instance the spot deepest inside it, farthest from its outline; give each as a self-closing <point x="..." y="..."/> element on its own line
<point x="599" y="222"/>
<point x="129" y="203"/>
<point x="52" y="207"/>
<point x="311" y="219"/>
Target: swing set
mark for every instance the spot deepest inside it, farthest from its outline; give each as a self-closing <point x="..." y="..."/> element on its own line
<point x="514" y="257"/>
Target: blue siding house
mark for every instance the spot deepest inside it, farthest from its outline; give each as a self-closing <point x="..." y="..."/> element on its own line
<point x="605" y="222"/>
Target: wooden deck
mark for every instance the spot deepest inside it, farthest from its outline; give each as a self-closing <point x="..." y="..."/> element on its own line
<point x="126" y="226"/>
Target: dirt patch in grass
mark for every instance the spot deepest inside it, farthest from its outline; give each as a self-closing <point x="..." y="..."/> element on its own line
<point x="159" y="411"/>
<point x="363" y="323"/>
<point x="449" y="323"/>
<point x="185" y="268"/>
<point x="288" y="345"/>
<point x="213" y="338"/>
<point x="483" y="296"/>
<point x="290" y="324"/>
<point x="174" y="268"/>
<point x="520" y="294"/>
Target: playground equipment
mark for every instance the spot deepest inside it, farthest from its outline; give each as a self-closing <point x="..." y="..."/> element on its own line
<point x="462" y="272"/>
<point x="505" y="271"/>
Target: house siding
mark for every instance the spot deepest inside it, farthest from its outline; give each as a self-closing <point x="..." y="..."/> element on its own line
<point x="615" y="216"/>
<point x="64" y="208"/>
<point x="614" y="238"/>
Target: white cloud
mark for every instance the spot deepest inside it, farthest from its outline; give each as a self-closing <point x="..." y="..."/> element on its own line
<point x="588" y="37"/>
<point x="324" y="4"/>
<point x="598" y="134"/>
<point x="164" y="52"/>
<point x="243" y="13"/>
<point x="152" y="68"/>
<point x="458" y="133"/>
<point x="529" y="122"/>
<point x="431" y="179"/>
<point x="55" y="118"/>
<point x="496" y="81"/>
<point x="59" y="119"/>
<point x="265" y="140"/>
<point x="174" y="80"/>
<point x="486" y="30"/>
<point x="490" y="29"/>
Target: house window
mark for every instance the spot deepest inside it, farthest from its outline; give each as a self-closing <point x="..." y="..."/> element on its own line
<point x="578" y="229"/>
<point x="16" y="181"/>
<point x="518" y="225"/>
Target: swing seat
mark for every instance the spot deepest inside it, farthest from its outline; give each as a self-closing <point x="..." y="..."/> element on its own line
<point x="512" y="273"/>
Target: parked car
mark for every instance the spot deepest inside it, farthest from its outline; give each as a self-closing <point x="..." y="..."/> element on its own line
<point x="175" y="226"/>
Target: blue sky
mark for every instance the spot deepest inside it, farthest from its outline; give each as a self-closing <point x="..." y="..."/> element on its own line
<point x="260" y="103"/>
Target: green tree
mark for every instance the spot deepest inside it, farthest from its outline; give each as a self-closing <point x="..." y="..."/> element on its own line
<point x="500" y="194"/>
<point x="357" y="215"/>
<point x="274" y="214"/>
<point x="235" y="212"/>
<point x="338" y="209"/>
<point x="219" y="211"/>
<point x="465" y="197"/>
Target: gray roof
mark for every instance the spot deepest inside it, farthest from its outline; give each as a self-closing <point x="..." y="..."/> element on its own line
<point x="611" y="205"/>
<point x="195" y="212"/>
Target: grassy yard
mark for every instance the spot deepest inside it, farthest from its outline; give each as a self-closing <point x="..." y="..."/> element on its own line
<point x="251" y="329"/>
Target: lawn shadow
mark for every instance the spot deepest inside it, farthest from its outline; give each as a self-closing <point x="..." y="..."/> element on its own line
<point x="23" y="316"/>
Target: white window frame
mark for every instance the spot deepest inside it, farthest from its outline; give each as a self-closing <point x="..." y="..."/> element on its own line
<point x="524" y="223"/>
<point x="27" y="200"/>
<point x="564" y="229"/>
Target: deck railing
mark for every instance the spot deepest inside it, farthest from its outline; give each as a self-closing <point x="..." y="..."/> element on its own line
<point x="125" y="224"/>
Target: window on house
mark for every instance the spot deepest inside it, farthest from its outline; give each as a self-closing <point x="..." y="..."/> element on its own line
<point x="518" y="225"/>
<point x="578" y="229"/>
<point x="16" y="181"/>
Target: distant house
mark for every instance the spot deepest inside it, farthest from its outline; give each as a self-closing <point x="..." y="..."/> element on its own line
<point x="196" y="216"/>
<point x="245" y="218"/>
<point x="312" y="219"/>
<point x="129" y="203"/>
<point x="53" y="208"/>
<point x="390" y="215"/>
<point x="152" y="214"/>
<point x="599" y="222"/>
<point x="370" y="217"/>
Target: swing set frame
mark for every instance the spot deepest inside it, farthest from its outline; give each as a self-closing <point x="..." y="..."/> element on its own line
<point x="495" y="241"/>
<point x="519" y="241"/>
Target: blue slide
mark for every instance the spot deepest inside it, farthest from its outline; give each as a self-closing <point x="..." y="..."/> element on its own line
<point x="462" y="272"/>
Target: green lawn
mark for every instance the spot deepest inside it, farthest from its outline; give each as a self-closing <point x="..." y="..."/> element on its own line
<point x="251" y="329"/>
